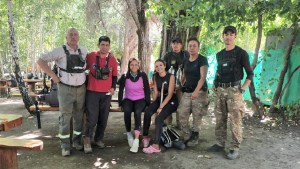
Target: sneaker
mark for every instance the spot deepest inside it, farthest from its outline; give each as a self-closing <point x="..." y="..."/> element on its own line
<point x="232" y="154"/>
<point x="77" y="146"/>
<point x="215" y="148"/>
<point x="87" y="145"/>
<point x="193" y="141"/>
<point x="135" y="146"/>
<point x="65" y="152"/>
<point x="100" y="144"/>
<point x="130" y="139"/>
<point x="146" y="141"/>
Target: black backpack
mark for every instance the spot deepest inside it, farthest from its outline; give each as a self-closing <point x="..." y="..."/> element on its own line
<point x="168" y="136"/>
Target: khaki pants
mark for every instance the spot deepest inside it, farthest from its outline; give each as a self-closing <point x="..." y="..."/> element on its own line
<point x="71" y="105"/>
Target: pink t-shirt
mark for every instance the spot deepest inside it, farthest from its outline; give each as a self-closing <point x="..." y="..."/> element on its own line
<point x="134" y="90"/>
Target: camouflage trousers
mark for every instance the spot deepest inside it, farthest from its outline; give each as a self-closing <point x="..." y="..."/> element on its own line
<point x="197" y="107"/>
<point x="229" y="107"/>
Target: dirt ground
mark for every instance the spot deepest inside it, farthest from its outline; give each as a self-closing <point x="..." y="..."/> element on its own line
<point x="264" y="146"/>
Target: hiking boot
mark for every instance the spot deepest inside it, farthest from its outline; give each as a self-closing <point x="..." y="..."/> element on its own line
<point x="87" y="145"/>
<point x="193" y="141"/>
<point x="77" y="146"/>
<point x="178" y="144"/>
<point x="232" y="154"/>
<point x="65" y="152"/>
<point x="100" y="144"/>
<point x="215" y="148"/>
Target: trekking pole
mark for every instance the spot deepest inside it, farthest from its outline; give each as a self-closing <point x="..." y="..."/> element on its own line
<point x="37" y="112"/>
<point x="162" y="91"/>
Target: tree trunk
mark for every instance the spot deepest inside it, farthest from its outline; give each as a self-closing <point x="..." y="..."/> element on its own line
<point x="194" y="31"/>
<point x="255" y="100"/>
<point x="26" y="99"/>
<point x="137" y="11"/>
<point x="287" y="83"/>
<point x="283" y="72"/>
<point x="130" y="42"/>
<point x="101" y="15"/>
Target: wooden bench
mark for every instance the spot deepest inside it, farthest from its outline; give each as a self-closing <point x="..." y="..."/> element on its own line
<point x="49" y="108"/>
<point x="9" y="147"/>
<point x="31" y="94"/>
<point x="9" y="121"/>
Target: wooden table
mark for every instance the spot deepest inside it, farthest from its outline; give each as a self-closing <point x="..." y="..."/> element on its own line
<point x="31" y="84"/>
<point x="9" y="147"/>
<point x="9" y="121"/>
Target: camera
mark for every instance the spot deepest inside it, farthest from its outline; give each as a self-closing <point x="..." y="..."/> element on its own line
<point x="102" y="73"/>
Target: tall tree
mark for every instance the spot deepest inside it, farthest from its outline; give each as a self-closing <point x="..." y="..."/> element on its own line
<point x="137" y="9"/>
<point x="130" y="41"/>
<point x="23" y="90"/>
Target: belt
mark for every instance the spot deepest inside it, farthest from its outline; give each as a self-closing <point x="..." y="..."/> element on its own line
<point x="229" y="84"/>
<point x="71" y="85"/>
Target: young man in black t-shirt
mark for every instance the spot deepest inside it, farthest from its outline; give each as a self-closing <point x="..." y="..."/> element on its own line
<point x="229" y="103"/>
<point x="176" y="58"/>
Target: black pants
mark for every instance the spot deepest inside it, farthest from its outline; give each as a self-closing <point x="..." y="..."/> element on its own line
<point x="159" y="120"/>
<point x="137" y="107"/>
<point x="97" y="106"/>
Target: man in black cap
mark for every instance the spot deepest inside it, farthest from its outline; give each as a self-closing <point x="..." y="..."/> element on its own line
<point x="175" y="58"/>
<point x="229" y="103"/>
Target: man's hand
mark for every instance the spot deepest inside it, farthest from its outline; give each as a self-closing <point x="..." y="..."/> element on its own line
<point x="214" y="89"/>
<point x="195" y="94"/>
<point x="111" y="91"/>
<point x="120" y="109"/>
<point x="55" y="79"/>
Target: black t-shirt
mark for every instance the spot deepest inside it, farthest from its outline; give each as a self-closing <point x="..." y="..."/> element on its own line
<point x="160" y="80"/>
<point x="192" y="71"/>
<point x="231" y="64"/>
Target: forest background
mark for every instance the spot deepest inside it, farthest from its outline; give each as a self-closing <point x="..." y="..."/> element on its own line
<point x="144" y="29"/>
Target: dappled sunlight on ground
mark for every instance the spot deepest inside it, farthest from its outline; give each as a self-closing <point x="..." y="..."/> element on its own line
<point x="100" y="163"/>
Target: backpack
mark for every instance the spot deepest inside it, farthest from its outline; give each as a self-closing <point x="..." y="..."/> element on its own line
<point x="168" y="135"/>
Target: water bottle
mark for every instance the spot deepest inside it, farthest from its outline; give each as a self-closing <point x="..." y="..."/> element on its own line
<point x="171" y="70"/>
<point x="178" y="77"/>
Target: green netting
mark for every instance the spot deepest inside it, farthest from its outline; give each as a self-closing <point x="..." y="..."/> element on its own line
<point x="272" y="66"/>
<point x="266" y="75"/>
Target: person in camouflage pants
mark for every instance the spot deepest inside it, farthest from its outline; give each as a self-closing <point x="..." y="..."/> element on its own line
<point x="194" y="100"/>
<point x="229" y="106"/>
<point x="199" y="107"/>
<point x="229" y="103"/>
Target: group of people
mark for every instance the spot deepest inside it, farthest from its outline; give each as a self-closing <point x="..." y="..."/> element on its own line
<point x="76" y="94"/>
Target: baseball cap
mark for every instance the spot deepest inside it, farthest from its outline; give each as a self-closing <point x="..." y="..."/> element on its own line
<point x="229" y="28"/>
<point x="176" y="39"/>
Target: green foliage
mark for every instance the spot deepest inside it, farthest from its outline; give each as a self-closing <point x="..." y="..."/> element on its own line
<point x="41" y="26"/>
<point x="292" y="111"/>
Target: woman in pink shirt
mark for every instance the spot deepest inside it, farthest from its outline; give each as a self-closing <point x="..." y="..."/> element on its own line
<point x="135" y="99"/>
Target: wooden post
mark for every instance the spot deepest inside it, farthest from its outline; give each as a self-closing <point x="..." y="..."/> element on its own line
<point x="8" y="158"/>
